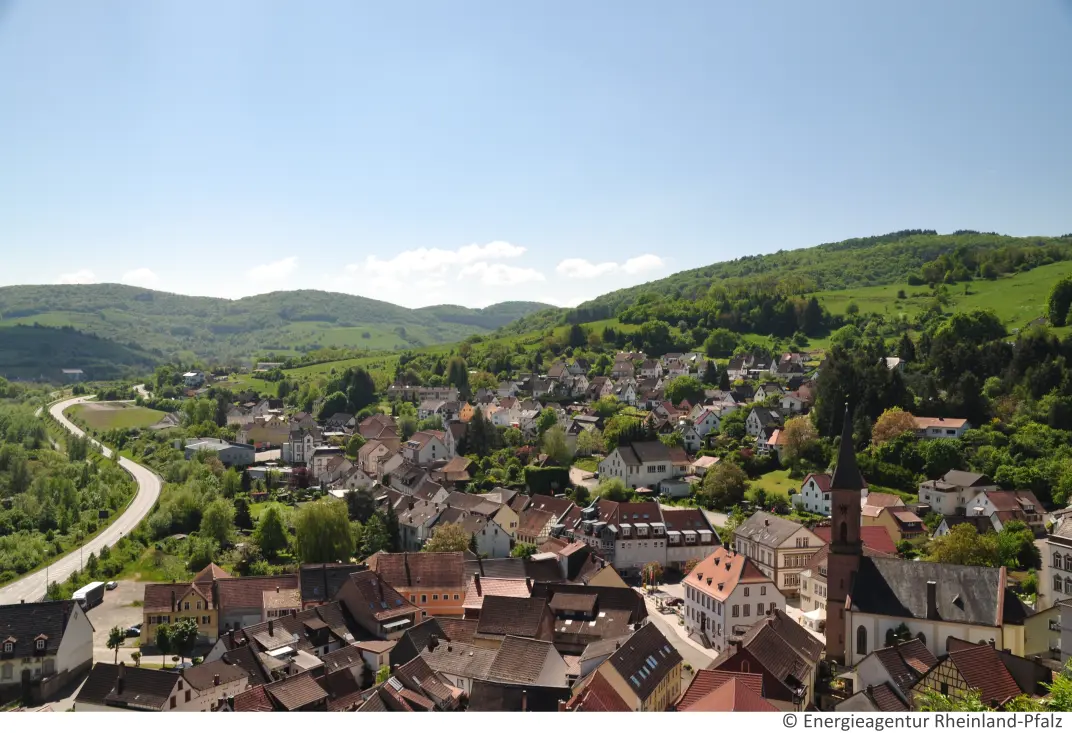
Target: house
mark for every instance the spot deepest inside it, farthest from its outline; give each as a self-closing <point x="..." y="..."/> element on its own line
<point x="113" y="688"/>
<point x="720" y="595"/>
<point x="873" y="506"/>
<point x="376" y="606"/>
<point x="459" y="663"/>
<point x="689" y="536"/>
<point x="750" y="366"/>
<point x="950" y="494"/>
<point x="814" y="495"/>
<point x="320" y="582"/>
<point x="890" y="673"/>
<point x="793" y="403"/>
<point x="973" y="603"/>
<point x="46" y="646"/>
<point x="773" y="441"/>
<point x="505" y="616"/>
<point x="715" y="691"/>
<point x="491" y="539"/>
<point x="207" y="683"/>
<point x="371" y="455"/>
<point x="166" y="603"/>
<point x="527" y="661"/>
<point x="479" y="588"/>
<point x="425" y="447"/>
<point x="300" y="443"/>
<point x="241" y="600"/>
<point x="230" y="454"/>
<point x="593" y="694"/>
<point x="1056" y="584"/>
<point x="640" y="464"/>
<point x="645" y="671"/>
<point x="625" y="392"/>
<point x="264" y="432"/>
<point x="930" y="428"/>
<point x="903" y="525"/>
<point x="760" y="418"/>
<point x="779" y="548"/>
<point x="299" y="692"/>
<point x="784" y="653"/>
<point x="321" y="457"/>
<point x="768" y="390"/>
<point x="1007" y="506"/>
<point x="432" y="581"/>
<point x="971" y="666"/>
<point x="702" y="465"/>
<point x="706" y="421"/>
<point x="194" y="379"/>
<point x="416" y="518"/>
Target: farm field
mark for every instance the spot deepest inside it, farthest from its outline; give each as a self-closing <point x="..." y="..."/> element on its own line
<point x="113" y="415"/>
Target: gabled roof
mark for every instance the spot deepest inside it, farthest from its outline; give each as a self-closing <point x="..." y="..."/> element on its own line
<point x="497" y="697"/>
<point x="718" y="574"/>
<point x="707" y="681"/>
<point x="248" y="592"/>
<point x="522" y="661"/>
<point x="208" y="674"/>
<point x="459" y="659"/>
<point x="383" y="600"/>
<point x="296" y="692"/>
<point x="906" y="662"/>
<point x="768" y="529"/>
<point x="532" y="521"/>
<point x="243" y="656"/>
<point x="25" y="623"/>
<point x="511" y="587"/>
<point x="644" y="660"/>
<point x="420" y="569"/>
<point x="505" y="616"/>
<point x="734" y="696"/>
<point x="597" y="696"/>
<point x="142" y="688"/>
<point x="321" y="581"/>
<point x="253" y="700"/>
<point x="983" y="670"/>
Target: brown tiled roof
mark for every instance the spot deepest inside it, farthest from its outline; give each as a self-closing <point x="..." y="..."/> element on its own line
<point x="416" y="675"/>
<point x="246" y="658"/>
<point x="876" y="498"/>
<point x="296" y="692"/>
<point x="503" y="616"/>
<point x="143" y="687"/>
<point x="203" y="676"/>
<point x="211" y="572"/>
<point x="709" y="680"/>
<point x="644" y="660"/>
<point x="420" y="569"/>
<point x="553" y="544"/>
<point x="598" y="696"/>
<point x="906" y="662"/>
<point x="343" y="691"/>
<point x="553" y="504"/>
<point x="532" y="521"/>
<point x="457" y="629"/>
<point x="376" y="646"/>
<point x="459" y="659"/>
<point x="521" y="660"/>
<point x="512" y="587"/>
<point x="574" y="602"/>
<point x="383" y="600"/>
<point x="734" y="696"/>
<point x="157" y="596"/>
<point x="248" y="592"/>
<point x="498" y="697"/>
<point x="719" y="573"/>
<point x="777" y="653"/>
<point x="874" y="537"/>
<point x="254" y="700"/>
<point x="983" y="670"/>
<point x="344" y="658"/>
<point x="885" y="698"/>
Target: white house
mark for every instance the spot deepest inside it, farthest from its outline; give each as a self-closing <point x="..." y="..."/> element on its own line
<point x="424" y="447"/>
<point x="1056" y="584"/>
<point x="814" y="494"/>
<point x="299" y="445"/>
<point x="319" y="459"/>
<point x="760" y="418"/>
<point x="1005" y="506"/>
<point x="45" y="644"/>
<point x="951" y="493"/>
<point x="725" y="593"/>
<point x="705" y="421"/>
<point x="792" y="403"/>
<point x="930" y="428"/>
<point x="208" y="683"/>
<point x="640" y="464"/>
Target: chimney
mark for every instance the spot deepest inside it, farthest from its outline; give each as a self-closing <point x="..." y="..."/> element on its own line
<point x="230" y="637"/>
<point x="525" y="701"/>
<point x="932" y="599"/>
<point x="617" y="645"/>
<point x="277" y="589"/>
<point x="433" y="642"/>
<point x="120" y="680"/>
<point x="215" y="680"/>
<point x="173" y="601"/>
<point x="271" y="627"/>
<point x="991" y="642"/>
<point x="870" y="690"/>
<point x="561" y="706"/>
<point x="476" y="581"/>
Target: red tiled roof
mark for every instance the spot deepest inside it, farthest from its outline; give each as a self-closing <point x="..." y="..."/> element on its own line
<point x="735" y="696"/>
<point x="532" y="521"/>
<point x="879" y="499"/>
<point x="822" y="480"/>
<point x="423" y="569"/>
<point x="254" y="700"/>
<point x="723" y="568"/>
<point x="873" y="538"/>
<point x="886" y="699"/>
<point x="248" y="592"/>
<point x="510" y="587"/>
<point x="598" y="697"/>
<point x="983" y="670"/>
<point x="210" y="573"/>
<point x="383" y="600"/>
<point x="709" y="680"/>
<point x="296" y="692"/>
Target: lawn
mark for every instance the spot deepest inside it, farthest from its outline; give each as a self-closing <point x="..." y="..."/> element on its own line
<point x="113" y="415"/>
<point x="587" y="464"/>
<point x="776" y="482"/>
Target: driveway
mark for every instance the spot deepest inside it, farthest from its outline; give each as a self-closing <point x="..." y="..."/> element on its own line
<point x="32" y="587"/>
<point x="116" y="610"/>
<point x="579" y="477"/>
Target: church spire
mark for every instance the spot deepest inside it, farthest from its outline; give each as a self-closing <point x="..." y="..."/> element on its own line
<point x="846" y="473"/>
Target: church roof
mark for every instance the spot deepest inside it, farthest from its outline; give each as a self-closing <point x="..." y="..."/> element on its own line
<point x="847" y="474"/>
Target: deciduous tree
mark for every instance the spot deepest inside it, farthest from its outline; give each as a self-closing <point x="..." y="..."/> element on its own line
<point x="892" y="423"/>
<point x="322" y="532"/>
<point x="447" y="538"/>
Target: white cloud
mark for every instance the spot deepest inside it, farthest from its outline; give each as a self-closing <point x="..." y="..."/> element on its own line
<point x="643" y="263"/>
<point x="500" y="274"/>
<point x="273" y="271"/>
<point x="580" y="268"/>
<point x="584" y="269"/>
<point x="80" y="277"/>
<point x="143" y="277"/>
<point x="434" y="261"/>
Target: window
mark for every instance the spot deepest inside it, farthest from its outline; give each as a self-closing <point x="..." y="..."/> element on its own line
<point x="171" y="704"/>
<point x="861" y="640"/>
<point x="40" y="644"/>
<point x="736" y="610"/>
<point x="204" y="620"/>
<point x="771" y="607"/>
<point x="186" y="606"/>
<point x="187" y="696"/>
<point x="8" y="647"/>
<point x="1057" y="582"/>
<point x="944" y="688"/>
<point x="424" y="598"/>
<point x="747" y="610"/>
<point x="412" y="598"/>
<point x="763" y="590"/>
<point x="199" y="605"/>
<point x="435" y="596"/>
<point x="759" y="609"/>
<point x="746" y="592"/>
<point x="7" y="671"/>
<point x="455" y="596"/>
<point x="1068" y="562"/>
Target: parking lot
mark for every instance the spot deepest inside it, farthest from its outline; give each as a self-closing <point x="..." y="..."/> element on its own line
<point x="116" y="610"/>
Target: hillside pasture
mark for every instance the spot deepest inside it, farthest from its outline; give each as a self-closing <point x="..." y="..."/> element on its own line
<point x="114" y="415"/>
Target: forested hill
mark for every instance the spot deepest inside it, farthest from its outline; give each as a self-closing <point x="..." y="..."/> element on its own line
<point x="908" y="256"/>
<point x="218" y="329"/>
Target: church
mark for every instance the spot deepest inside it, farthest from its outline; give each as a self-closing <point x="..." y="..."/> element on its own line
<point x="869" y="598"/>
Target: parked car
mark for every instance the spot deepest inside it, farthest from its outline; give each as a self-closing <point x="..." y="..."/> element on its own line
<point x="134" y="630"/>
<point x="111" y="585"/>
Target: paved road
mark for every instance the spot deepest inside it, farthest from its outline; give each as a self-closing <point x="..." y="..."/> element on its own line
<point x="140" y="389"/>
<point x="33" y="587"/>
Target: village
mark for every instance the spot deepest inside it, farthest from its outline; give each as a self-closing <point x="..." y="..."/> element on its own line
<point x="610" y="590"/>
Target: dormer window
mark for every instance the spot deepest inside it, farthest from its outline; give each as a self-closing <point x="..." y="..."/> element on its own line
<point x="8" y="647"/>
<point x="40" y="644"/>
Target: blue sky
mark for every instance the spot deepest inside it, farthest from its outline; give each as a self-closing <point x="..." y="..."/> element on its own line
<point x="473" y="152"/>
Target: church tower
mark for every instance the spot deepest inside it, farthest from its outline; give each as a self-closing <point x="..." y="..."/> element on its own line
<point x="845" y="547"/>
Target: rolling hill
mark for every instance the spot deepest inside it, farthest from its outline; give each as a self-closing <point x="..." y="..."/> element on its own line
<point x="180" y="326"/>
<point x="40" y="353"/>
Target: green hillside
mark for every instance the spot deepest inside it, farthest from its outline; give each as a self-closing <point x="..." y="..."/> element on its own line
<point x="285" y="323"/>
<point x="32" y="353"/>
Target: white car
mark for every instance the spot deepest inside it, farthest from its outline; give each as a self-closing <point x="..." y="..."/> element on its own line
<point x="111" y="585"/>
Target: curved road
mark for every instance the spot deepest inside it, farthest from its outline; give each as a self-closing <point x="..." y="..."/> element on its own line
<point x="32" y="587"/>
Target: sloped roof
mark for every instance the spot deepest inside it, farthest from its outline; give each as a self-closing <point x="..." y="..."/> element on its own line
<point x="718" y="574"/>
<point x="597" y="696"/>
<point x="320" y="582"/>
<point x="873" y="537"/>
<point x="504" y="616"/>
<point x="420" y="569"/>
<point x="143" y="687"/>
<point x="709" y="680"/>
<point x="24" y="623"/>
<point x="734" y="696"/>
<point x="459" y="659"/>
<point x="521" y="660"/>
<point x="512" y="587"/>
<point x="296" y="692"/>
<point x="767" y="529"/>
<point x="248" y="592"/>
<point x="203" y="676"/>
<point x="983" y="670"/>
<point x="383" y="600"/>
<point x="644" y="660"/>
<point x="906" y="662"/>
<point x="254" y="700"/>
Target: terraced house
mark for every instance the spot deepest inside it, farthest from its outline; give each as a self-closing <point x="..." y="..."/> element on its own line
<point x="781" y="549"/>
